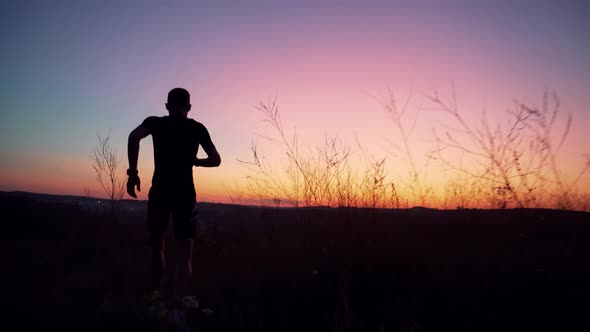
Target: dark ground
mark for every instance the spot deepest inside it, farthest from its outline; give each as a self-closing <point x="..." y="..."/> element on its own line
<point x="311" y="269"/>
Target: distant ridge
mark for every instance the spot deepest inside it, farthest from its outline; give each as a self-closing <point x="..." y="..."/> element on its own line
<point x="56" y="196"/>
<point x="418" y="210"/>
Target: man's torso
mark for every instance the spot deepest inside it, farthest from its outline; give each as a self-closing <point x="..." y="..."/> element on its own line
<point x="176" y="142"/>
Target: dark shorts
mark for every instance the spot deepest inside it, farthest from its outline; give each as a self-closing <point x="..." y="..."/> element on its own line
<point x="182" y="208"/>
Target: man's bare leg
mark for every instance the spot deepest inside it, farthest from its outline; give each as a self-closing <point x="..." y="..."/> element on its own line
<point x="184" y="269"/>
<point x="158" y="266"/>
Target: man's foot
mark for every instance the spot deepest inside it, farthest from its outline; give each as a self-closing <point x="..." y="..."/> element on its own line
<point x="188" y="302"/>
<point x="155" y="294"/>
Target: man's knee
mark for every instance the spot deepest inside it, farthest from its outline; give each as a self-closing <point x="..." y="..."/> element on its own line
<point x="185" y="248"/>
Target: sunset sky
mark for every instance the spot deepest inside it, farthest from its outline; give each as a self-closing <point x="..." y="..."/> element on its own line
<point x="72" y="69"/>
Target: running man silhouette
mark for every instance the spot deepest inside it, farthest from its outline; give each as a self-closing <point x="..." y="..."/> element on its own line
<point x="176" y="140"/>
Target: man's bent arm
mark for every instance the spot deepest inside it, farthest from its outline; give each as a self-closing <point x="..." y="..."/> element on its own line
<point x="213" y="159"/>
<point x="133" y="145"/>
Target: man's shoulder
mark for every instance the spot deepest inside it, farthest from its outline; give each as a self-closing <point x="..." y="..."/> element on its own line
<point x="153" y="118"/>
<point x="197" y="124"/>
<point x="151" y="122"/>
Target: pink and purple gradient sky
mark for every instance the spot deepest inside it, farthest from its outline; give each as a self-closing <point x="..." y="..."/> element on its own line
<point x="71" y="69"/>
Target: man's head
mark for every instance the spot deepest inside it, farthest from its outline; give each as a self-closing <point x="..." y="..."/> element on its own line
<point x="179" y="101"/>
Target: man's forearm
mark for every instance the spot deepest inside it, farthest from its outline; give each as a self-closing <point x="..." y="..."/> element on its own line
<point x="133" y="152"/>
<point x="208" y="162"/>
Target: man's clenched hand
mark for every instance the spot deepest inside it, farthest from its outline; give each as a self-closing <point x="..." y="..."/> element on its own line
<point x="133" y="181"/>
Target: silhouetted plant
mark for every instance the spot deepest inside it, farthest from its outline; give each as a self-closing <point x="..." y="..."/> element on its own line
<point x="88" y="193"/>
<point x="462" y="192"/>
<point x="518" y="163"/>
<point x="514" y="165"/>
<point x="415" y="182"/>
<point x="106" y="164"/>
<point x="312" y="177"/>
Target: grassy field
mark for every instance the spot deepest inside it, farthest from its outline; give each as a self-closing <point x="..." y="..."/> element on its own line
<point x="306" y="269"/>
